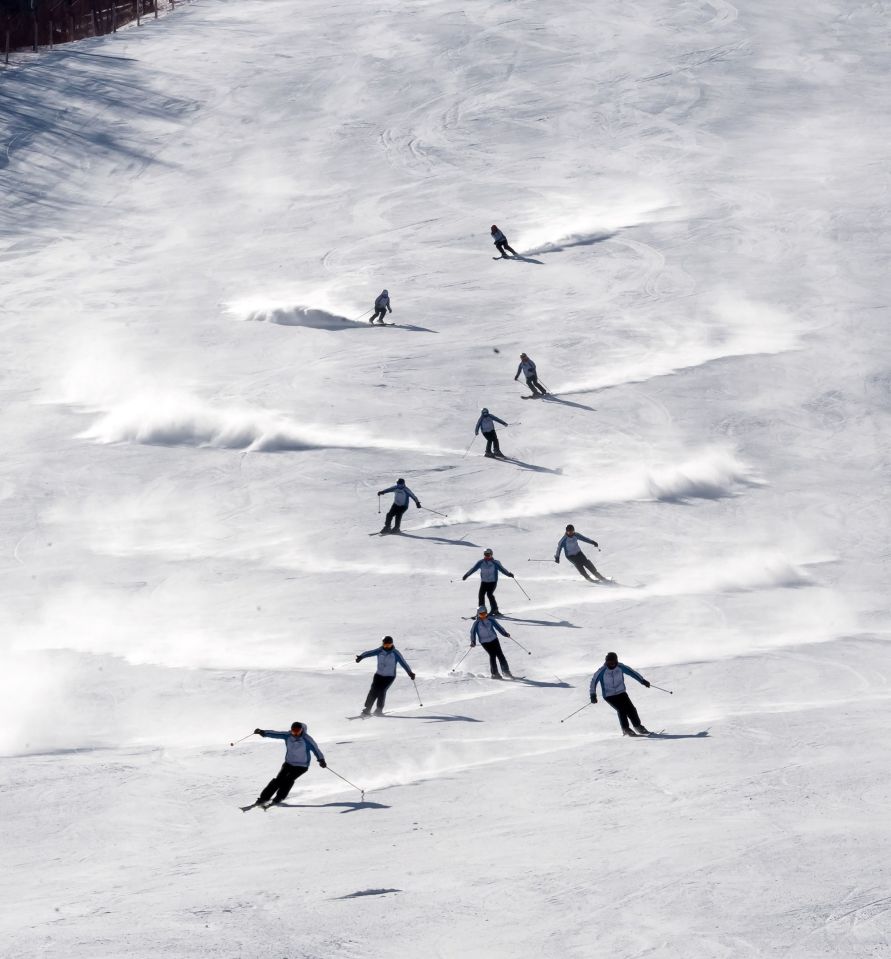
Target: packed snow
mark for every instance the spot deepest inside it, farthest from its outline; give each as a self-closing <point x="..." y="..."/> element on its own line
<point x="196" y="213"/>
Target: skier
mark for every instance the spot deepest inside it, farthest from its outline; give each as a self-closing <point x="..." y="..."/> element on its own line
<point x="569" y="544"/>
<point x="527" y="368"/>
<point x="299" y="749"/>
<point x="488" y="567"/>
<point x="400" y="504"/>
<point x="381" y="307"/>
<point x="486" y="423"/>
<point x="387" y="658"/>
<point x="501" y="242"/>
<point x="484" y="630"/>
<point x="611" y="677"/>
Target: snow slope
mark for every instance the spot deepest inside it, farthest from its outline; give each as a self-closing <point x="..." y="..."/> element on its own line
<point x="197" y="419"/>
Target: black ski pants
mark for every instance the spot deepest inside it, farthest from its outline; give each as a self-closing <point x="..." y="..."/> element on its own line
<point x="625" y="708"/>
<point x="501" y="246"/>
<point x="281" y="785"/>
<point x="379" y="686"/>
<point x="581" y="563"/>
<point x="535" y="386"/>
<point x="488" y="590"/>
<point x="378" y="315"/>
<point x="395" y="515"/>
<point x="496" y="657"/>
<point x="492" y="445"/>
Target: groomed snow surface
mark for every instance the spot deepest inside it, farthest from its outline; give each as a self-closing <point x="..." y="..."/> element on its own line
<point x="196" y="419"/>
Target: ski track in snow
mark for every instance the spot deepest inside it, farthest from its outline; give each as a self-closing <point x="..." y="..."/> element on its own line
<point x="193" y="208"/>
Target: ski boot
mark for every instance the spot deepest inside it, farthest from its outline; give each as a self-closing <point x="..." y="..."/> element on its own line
<point x="642" y="730"/>
<point x="629" y="732"/>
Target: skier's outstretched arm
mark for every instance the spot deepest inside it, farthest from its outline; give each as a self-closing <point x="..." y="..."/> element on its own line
<point x="595" y="679"/>
<point x="560" y="547"/>
<point x="272" y="734"/>
<point x="472" y="569"/>
<point x="401" y="660"/>
<point x="585" y="539"/>
<point x="506" y="572"/>
<point x="628" y="671"/>
<point x="366" y="654"/>
<point x="498" y="420"/>
<point x="314" y="749"/>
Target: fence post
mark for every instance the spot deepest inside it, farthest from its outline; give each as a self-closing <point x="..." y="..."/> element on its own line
<point x="114" y="18"/>
<point x="51" y="26"/>
<point x="7" y="46"/>
<point x="138" y="13"/>
<point x="93" y="19"/>
<point x="35" y="32"/>
<point x="155" y="2"/>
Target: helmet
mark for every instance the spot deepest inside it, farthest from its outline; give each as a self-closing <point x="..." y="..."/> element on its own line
<point x="487" y="552"/>
<point x="400" y="482"/>
<point x="482" y="609"/>
<point x="387" y="639"/>
<point x="522" y="356"/>
<point x="484" y="410"/>
<point x="610" y="656"/>
<point x="386" y="291"/>
<point x="297" y="726"/>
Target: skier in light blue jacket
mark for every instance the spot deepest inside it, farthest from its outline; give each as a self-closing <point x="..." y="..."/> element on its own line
<point x="611" y="678"/>
<point x="488" y="568"/>
<point x="486" y="631"/>
<point x="569" y="545"/>
<point x="381" y="307"/>
<point x="388" y="656"/>
<point x="527" y="368"/>
<point x="486" y="423"/>
<point x="300" y="747"/>
<point x="402" y="494"/>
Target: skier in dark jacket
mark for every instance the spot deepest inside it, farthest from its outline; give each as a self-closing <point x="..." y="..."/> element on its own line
<point x="486" y="423"/>
<point x="388" y="656"/>
<point x="300" y="747"/>
<point x="569" y="545"/>
<point x="611" y="677"/>
<point x="381" y="307"/>
<point x="401" y="496"/>
<point x="527" y="368"/>
<point x="486" y="631"/>
<point x="501" y="242"/>
<point x="488" y="567"/>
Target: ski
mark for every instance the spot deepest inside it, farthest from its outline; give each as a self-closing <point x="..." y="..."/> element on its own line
<point x="537" y="396"/>
<point x="253" y="805"/>
<point x="360" y="716"/>
<point x="381" y="324"/>
<point x="388" y="532"/>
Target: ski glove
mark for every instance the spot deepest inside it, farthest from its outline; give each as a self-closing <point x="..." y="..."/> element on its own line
<point x="593" y="697"/>
<point x="595" y="544"/>
<point x="358" y="659"/>
<point x="323" y="764"/>
<point x="556" y="559"/>
<point x="511" y="575"/>
<point x="258" y="732"/>
<point x="419" y="505"/>
<point x="411" y="676"/>
<point x="463" y="578"/>
<point x="647" y="683"/>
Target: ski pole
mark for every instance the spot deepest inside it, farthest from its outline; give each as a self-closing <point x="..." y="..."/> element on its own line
<point x="243" y="738"/>
<point x="378" y="504"/>
<point x="520" y="645"/>
<point x="669" y="691"/>
<point x="523" y="591"/>
<point x="330" y="770"/>
<point x="435" y="511"/>
<point x="359" y="317"/>
<point x="461" y="660"/>
<point x="573" y="714"/>
<point x="416" y="690"/>
<point x="539" y="561"/>
<point x="468" y="448"/>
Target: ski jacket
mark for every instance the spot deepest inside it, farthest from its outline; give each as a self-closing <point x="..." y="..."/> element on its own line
<point x="382" y="302"/>
<point x="527" y="368"/>
<point x="387" y="660"/>
<point x="498" y="236"/>
<point x="402" y="495"/>
<point x="486" y="423"/>
<point x="612" y="681"/>
<point x="570" y="545"/>
<point x="298" y="749"/>
<point x="488" y="570"/>
<point x="486" y="630"/>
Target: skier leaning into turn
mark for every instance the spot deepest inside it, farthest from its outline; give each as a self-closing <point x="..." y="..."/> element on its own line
<point x="486" y="631"/>
<point x="486" y="423"/>
<point x="488" y="568"/>
<point x="388" y="656"/>
<point x="381" y="307"/>
<point x="611" y="677"/>
<point x="402" y="494"/>
<point x="527" y="368"/>
<point x="501" y="242"/>
<point x="569" y="545"/>
<point x="300" y="747"/>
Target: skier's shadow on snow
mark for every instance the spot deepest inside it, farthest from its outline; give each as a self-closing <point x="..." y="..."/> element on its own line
<point x="529" y="466"/>
<point x="542" y="622"/>
<point x="523" y="258"/>
<point x="583" y="239"/>
<point x="413" y="328"/>
<point x="347" y="806"/>
<point x="439" y="539"/>
<point x="579" y="406"/>
<point x="700" y="735"/>
<point x="543" y="685"/>
<point x="434" y="718"/>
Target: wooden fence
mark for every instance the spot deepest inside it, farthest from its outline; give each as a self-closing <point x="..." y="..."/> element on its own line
<point x="30" y="24"/>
